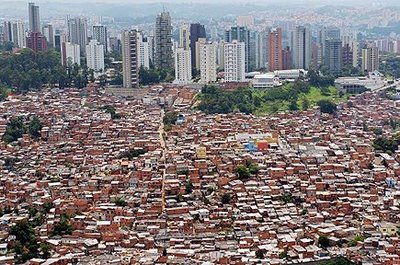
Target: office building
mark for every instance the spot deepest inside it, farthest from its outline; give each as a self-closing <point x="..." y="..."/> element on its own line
<point x="197" y="31"/>
<point x="240" y="34"/>
<point x="77" y="32"/>
<point x="95" y="56"/>
<point x="34" y="18"/>
<point x="333" y="56"/>
<point x="275" y="50"/>
<point x="183" y="67"/>
<point x="163" y="51"/>
<point x="70" y="54"/>
<point x="208" y="63"/>
<point x="301" y="48"/>
<point x="36" y="42"/>
<point x="370" y="59"/>
<point x="48" y="32"/>
<point x="235" y="56"/>
<point x="100" y="34"/>
<point x="130" y="59"/>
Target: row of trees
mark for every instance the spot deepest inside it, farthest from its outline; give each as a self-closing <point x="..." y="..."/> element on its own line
<point x="30" y="71"/>
<point x="152" y="75"/>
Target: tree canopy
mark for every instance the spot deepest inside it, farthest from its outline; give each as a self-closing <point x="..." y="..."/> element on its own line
<point x="27" y="71"/>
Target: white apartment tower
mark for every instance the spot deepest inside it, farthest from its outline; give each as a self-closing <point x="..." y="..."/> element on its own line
<point x="208" y="63"/>
<point x="70" y="54"/>
<point x="234" y="57"/>
<point x="130" y="59"/>
<point x="95" y="56"/>
<point x="144" y="52"/>
<point x="183" y="66"/>
<point x="184" y="37"/>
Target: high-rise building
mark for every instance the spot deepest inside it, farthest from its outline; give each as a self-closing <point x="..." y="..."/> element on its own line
<point x="197" y="31"/>
<point x="95" y="56"/>
<point x="34" y="18"/>
<point x="235" y="56"/>
<point x="301" y="48"/>
<point x="241" y="34"/>
<point x="261" y="49"/>
<point x="208" y="63"/>
<point x="324" y="34"/>
<point x="77" y="32"/>
<point x="275" y="50"/>
<point x="115" y="45"/>
<point x="199" y="44"/>
<point x="286" y="59"/>
<point x="48" y="32"/>
<point x="2" y="34"/>
<point x="100" y="34"/>
<point x="333" y="55"/>
<point x="370" y="59"/>
<point x="220" y="55"/>
<point x="183" y="67"/>
<point x="144" y="52"/>
<point x="70" y="54"/>
<point x="163" y="52"/>
<point x="15" y="32"/>
<point x="184" y="37"/>
<point x="130" y="59"/>
<point x="36" y="42"/>
<point x="351" y="51"/>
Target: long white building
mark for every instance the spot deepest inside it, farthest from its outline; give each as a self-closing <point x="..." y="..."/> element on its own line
<point x="183" y="66"/>
<point x="95" y="56"/>
<point x="208" y="63"/>
<point x="234" y="57"/>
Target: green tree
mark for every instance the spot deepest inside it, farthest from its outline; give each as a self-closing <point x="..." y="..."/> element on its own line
<point x="226" y="198"/>
<point x="323" y="241"/>
<point x="293" y="105"/>
<point x="35" y="127"/>
<point x="120" y="202"/>
<point x="243" y="172"/>
<point x="170" y="118"/>
<point x="189" y="187"/>
<point x="45" y="249"/>
<point x="260" y="253"/>
<point x="14" y="130"/>
<point x="327" y="106"/>
<point x="305" y="104"/>
<point x="63" y="227"/>
<point x="26" y="245"/>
